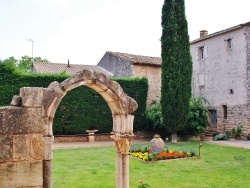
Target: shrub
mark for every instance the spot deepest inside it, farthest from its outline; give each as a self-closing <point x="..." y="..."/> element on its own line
<point x="197" y="119"/>
<point x="237" y="131"/>
<point x="154" y="118"/>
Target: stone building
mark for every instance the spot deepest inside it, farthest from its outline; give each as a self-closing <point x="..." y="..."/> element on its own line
<point x="129" y="65"/>
<point x="221" y="75"/>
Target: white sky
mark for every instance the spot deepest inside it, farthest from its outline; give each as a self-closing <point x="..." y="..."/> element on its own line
<point x="83" y="30"/>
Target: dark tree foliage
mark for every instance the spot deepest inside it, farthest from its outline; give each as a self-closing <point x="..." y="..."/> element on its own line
<point x="176" y="66"/>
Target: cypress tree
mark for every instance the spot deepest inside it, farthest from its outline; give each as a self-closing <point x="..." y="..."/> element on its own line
<point x="176" y="67"/>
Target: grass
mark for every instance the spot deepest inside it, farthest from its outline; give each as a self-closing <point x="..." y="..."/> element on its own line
<point x="218" y="167"/>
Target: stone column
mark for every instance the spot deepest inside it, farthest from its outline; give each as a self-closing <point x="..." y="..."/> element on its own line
<point x="125" y="170"/>
<point x="47" y="180"/>
<point x="118" y="170"/>
<point x="122" y="160"/>
<point x="47" y="161"/>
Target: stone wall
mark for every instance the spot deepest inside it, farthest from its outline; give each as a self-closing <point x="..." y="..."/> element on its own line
<point x="236" y="115"/>
<point x="153" y="74"/>
<point x="21" y="138"/>
<point x="247" y="33"/>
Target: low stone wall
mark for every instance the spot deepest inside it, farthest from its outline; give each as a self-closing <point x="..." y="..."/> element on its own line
<point x="70" y="138"/>
<point x="81" y="138"/>
<point x="98" y="137"/>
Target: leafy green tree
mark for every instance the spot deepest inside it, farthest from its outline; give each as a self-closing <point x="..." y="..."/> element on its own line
<point x="26" y="62"/>
<point x="10" y="60"/>
<point x="176" y="67"/>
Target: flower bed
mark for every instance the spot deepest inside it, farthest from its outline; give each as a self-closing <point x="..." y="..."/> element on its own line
<point x="149" y="154"/>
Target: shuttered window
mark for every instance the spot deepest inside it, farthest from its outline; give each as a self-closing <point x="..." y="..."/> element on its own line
<point x="201" y="52"/>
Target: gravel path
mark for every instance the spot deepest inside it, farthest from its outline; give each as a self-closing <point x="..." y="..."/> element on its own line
<point x="234" y="143"/>
<point x="67" y="145"/>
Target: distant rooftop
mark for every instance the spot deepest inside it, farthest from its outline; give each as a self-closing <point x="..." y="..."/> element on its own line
<point x="137" y="59"/>
<point x="71" y="69"/>
<point x="220" y="32"/>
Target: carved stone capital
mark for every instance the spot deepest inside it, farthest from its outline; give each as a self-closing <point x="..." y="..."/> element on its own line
<point x="122" y="144"/>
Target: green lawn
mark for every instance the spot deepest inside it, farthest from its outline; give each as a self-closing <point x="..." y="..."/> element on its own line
<point x="218" y="167"/>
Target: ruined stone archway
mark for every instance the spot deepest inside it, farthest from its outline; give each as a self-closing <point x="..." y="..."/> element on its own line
<point x="38" y="106"/>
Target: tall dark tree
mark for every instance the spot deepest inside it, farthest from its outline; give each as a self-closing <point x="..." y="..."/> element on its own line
<point x="176" y="67"/>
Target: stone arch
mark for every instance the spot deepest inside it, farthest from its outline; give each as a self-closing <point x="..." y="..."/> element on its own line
<point x="121" y="106"/>
<point x="26" y="129"/>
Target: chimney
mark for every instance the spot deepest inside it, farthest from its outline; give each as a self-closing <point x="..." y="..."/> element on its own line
<point x="68" y="62"/>
<point x="203" y="33"/>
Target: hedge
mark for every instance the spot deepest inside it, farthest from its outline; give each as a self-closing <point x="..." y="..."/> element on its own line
<point x="82" y="108"/>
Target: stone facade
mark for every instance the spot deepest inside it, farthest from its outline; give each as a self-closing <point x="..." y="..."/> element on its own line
<point x="153" y="74"/>
<point x="129" y="65"/>
<point x="26" y="130"/>
<point x="221" y="76"/>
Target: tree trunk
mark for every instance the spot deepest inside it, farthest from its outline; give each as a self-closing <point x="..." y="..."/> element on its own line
<point x="174" y="137"/>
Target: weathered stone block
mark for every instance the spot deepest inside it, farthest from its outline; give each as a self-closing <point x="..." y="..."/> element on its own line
<point x="5" y="148"/>
<point x="23" y="174"/>
<point x="51" y="98"/>
<point x="32" y="121"/>
<point x="20" y="147"/>
<point x="36" y="147"/>
<point x="16" y="101"/>
<point x="17" y="120"/>
<point x="9" y="116"/>
<point x="31" y="96"/>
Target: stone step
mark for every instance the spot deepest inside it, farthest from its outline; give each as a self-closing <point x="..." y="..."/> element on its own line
<point x="210" y="132"/>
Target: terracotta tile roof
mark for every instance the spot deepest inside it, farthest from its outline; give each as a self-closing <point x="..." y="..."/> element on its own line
<point x="138" y="59"/>
<point x="42" y="67"/>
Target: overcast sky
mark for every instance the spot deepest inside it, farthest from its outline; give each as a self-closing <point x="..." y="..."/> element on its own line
<point x="83" y="30"/>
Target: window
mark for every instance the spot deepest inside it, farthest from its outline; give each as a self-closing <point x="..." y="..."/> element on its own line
<point x="229" y="44"/>
<point x="224" y="108"/>
<point x="213" y="116"/>
<point x="201" y="52"/>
